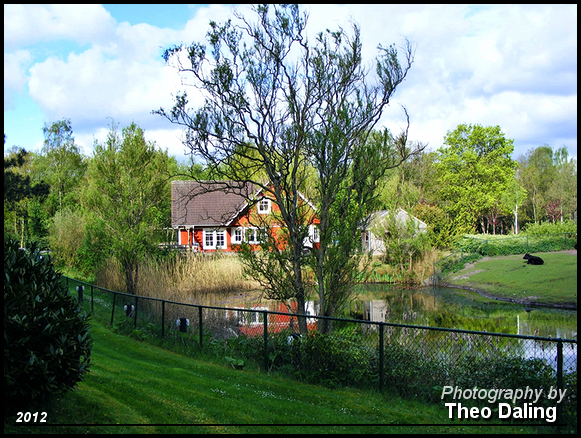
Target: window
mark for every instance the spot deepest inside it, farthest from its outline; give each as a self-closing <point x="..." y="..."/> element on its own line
<point x="208" y="239"/>
<point x="214" y="239"/>
<point x="253" y="316"/>
<point x="314" y="233"/>
<point x="313" y="238"/>
<point x="220" y="239"/>
<point x="264" y="206"/>
<point x="237" y="235"/>
<point x="251" y="235"/>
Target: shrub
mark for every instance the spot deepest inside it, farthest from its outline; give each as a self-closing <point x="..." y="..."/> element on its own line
<point x="567" y="226"/>
<point x="339" y="359"/>
<point x="46" y="337"/>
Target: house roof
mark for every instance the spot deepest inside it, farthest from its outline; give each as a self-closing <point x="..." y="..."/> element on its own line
<point x="207" y="203"/>
<point x="401" y="215"/>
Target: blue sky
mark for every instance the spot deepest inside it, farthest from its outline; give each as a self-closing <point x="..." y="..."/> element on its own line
<point x="509" y="65"/>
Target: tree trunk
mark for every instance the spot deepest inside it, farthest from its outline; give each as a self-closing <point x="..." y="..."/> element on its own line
<point x="22" y="233"/>
<point x="131" y="276"/>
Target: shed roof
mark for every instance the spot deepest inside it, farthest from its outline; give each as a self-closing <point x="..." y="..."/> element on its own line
<point x="400" y="214"/>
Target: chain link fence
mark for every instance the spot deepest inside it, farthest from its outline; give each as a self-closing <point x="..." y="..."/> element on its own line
<point x="406" y="359"/>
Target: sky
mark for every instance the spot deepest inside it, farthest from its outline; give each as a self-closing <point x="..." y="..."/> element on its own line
<point x="514" y="66"/>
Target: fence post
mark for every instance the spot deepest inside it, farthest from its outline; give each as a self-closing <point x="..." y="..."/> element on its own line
<point x="434" y="282"/>
<point x="200" y="321"/>
<point x="92" y="300"/>
<point x="380" y="357"/>
<point x="113" y="307"/>
<point x="135" y="315"/>
<point x="559" y="378"/>
<point x="265" y="340"/>
<point x="565" y="241"/>
<point x="162" y="318"/>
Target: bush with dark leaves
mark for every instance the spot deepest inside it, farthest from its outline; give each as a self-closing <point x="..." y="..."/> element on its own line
<point x="46" y="335"/>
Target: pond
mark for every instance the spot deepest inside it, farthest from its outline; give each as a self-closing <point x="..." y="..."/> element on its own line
<point x="461" y="309"/>
<point x="444" y="308"/>
<point x="438" y="307"/>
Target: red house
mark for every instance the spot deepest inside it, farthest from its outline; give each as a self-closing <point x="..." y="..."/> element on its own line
<point x="212" y="216"/>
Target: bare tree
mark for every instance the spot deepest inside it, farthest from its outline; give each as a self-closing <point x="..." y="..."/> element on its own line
<point x="275" y="107"/>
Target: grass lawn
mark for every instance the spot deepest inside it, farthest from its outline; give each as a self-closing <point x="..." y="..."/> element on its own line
<point x="134" y="387"/>
<point x="509" y="277"/>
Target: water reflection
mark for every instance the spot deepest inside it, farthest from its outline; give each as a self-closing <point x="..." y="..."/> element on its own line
<point x="454" y="308"/>
<point x="441" y="307"/>
<point x="534" y="349"/>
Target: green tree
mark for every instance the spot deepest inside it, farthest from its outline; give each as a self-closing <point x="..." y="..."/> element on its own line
<point x="348" y="176"/>
<point x="537" y="171"/>
<point x="61" y="165"/>
<point x="562" y="190"/>
<point x="474" y="169"/>
<point x="20" y="190"/>
<point x="66" y="234"/>
<point x="127" y="183"/>
<point x="409" y="184"/>
<point x="403" y="241"/>
<point x="440" y="228"/>
<point x="513" y="198"/>
<point x="272" y="99"/>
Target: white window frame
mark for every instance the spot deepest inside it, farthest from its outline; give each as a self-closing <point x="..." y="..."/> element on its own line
<point x="263" y="206"/>
<point x="314" y="233"/>
<point x="213" y="234"/>
<point x="235" y="238"/>
<point x="250" y="316"/>
<point x="254" y="240"/>
<point x="250" y="235"/>
<point x="221" y="235"/>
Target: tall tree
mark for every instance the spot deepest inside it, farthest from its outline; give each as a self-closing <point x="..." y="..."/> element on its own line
<point x="61" y="165"/>
<point x="273" y="99"/>
<point x="349" y="171"/>
<point x="474" y="170"/>
<point x="127" y="182"/>
<point x="537" y="171"/>
<point x="562" y="191"/>
<point x="513" y="198"/>
<point x="20" y="189"/>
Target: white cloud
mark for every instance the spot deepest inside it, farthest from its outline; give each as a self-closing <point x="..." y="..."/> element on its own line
<point x="121" y="77"/>
<point x="14" y="75"/>
<point x="27" y="24"/>
<point x="511" y="65"/>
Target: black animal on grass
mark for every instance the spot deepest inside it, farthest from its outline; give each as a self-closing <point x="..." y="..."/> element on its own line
<point x="533" y="260"/>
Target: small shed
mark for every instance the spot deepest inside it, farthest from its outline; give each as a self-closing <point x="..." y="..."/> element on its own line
<point x="374" y="244"/>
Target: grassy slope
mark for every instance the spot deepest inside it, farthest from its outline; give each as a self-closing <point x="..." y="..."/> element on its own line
<point x="509" y="277"/>
<point x="134" y="387"/>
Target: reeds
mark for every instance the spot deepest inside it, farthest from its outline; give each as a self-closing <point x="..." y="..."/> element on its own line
<point x="183" y="277"/>
<point x="419" y="273"/>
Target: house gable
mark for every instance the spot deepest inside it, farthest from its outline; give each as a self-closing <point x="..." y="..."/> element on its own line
<point x="212" y="215"/>
<point x="374" y="244"/>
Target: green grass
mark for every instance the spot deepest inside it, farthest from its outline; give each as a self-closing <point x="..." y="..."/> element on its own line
<point x="509" y="277"/>
<point x="134" y="387"/>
